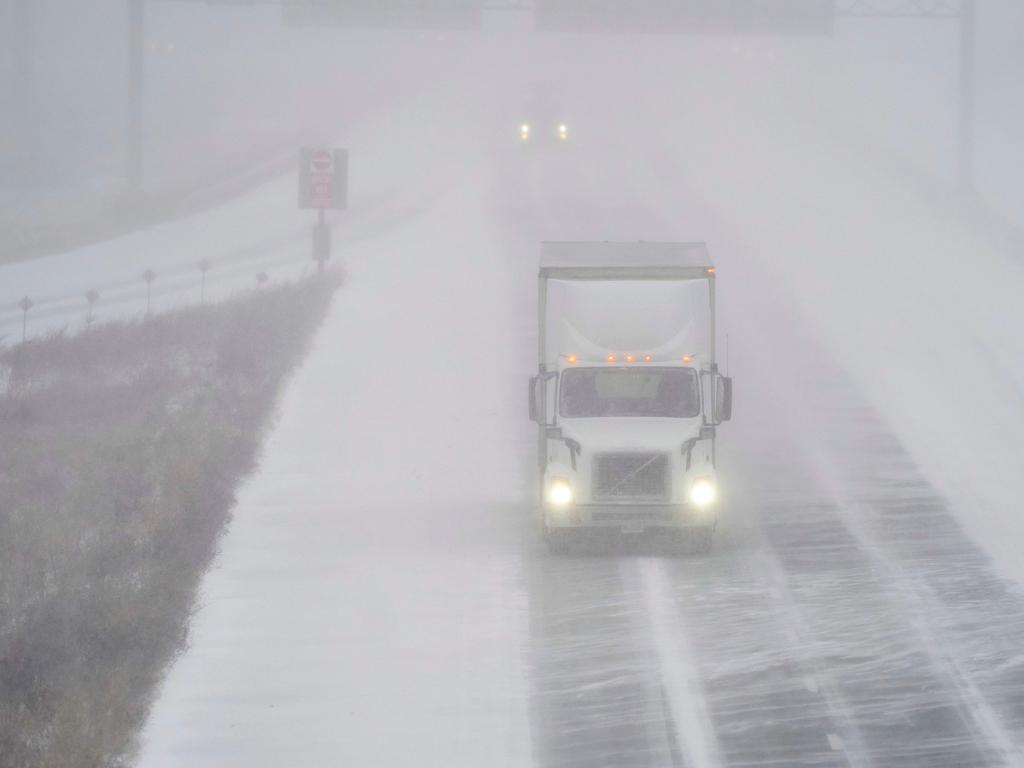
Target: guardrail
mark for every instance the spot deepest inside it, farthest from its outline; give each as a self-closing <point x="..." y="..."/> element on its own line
<point x="185" y="282"/>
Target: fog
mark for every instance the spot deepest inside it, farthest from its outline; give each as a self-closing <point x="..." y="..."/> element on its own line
<point x="384" y="593"/>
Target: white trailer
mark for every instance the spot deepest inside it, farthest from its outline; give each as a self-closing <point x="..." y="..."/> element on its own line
<point x="628" y="395"/>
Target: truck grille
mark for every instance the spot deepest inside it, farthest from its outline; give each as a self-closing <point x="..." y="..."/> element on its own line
<point x="631" y="477"/>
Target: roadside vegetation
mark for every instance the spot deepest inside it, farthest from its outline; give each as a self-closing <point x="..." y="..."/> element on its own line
<point x="120" y="453"/>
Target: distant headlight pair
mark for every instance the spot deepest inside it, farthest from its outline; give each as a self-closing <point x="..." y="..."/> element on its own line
<point x="526" y="132"/>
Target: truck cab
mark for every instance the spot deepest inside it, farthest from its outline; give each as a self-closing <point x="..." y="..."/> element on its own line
<point x="628" y="397"/>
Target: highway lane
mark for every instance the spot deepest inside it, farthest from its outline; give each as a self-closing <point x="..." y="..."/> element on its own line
<point x="845" y="616"/>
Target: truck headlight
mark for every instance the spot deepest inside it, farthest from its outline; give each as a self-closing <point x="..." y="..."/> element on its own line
<point x="703" y="492"/>
<point x="559" y="492"/>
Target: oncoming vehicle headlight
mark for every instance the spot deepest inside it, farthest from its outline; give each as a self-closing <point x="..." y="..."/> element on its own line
<point x="703" y="492"/>
<point x="524" y="131"/>
<point x="559" y="492"/>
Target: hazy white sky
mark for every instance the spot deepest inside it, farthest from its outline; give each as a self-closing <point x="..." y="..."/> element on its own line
<point x="214" y="69"/>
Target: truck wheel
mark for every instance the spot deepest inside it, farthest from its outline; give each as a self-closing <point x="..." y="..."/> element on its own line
<point x="700" y="539"/>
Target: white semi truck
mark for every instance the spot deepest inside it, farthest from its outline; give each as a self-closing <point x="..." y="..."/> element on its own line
<point x="628" y="395"/>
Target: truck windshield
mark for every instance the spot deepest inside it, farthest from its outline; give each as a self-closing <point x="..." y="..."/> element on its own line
<point x="595" y="392"/>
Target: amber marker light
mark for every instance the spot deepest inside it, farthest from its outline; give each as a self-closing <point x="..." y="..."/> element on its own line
<point x="647" y="358"/>
<point x="629" y="358"/>
<point x="571" y="358"/>
<point x="610" y="358"/>
<point x="687" y="359"/>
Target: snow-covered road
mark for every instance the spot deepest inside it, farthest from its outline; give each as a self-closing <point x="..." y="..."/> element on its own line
<point x="382" y="597"/>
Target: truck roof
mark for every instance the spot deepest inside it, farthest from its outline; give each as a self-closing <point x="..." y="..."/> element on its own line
<point x="625" y="260"/>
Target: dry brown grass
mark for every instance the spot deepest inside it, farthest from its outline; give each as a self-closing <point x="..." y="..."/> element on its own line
<point x="120" y="452"/>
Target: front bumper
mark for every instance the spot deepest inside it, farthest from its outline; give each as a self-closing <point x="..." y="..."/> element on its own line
<point x="631" y="517"/>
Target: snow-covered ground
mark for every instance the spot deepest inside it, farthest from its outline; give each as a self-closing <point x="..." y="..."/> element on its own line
<point x="373" y="535"/>
<point x="381" y="597"/>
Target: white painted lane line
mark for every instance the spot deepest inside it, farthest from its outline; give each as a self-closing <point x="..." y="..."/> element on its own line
<point x="835" y="742"/>
<point x="811" y="684"/>
<point x="694" y="731"/>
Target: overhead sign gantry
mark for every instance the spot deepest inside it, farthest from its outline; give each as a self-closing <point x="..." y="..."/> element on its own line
<point x="384" y="14"/>
<point x="686" y="17"/>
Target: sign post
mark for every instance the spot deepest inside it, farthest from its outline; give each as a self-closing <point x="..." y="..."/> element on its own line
<point x="323" y="185"/>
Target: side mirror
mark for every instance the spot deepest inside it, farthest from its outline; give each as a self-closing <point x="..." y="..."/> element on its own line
<point x="723" y="398"/>
<point x="542" y="399"/>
